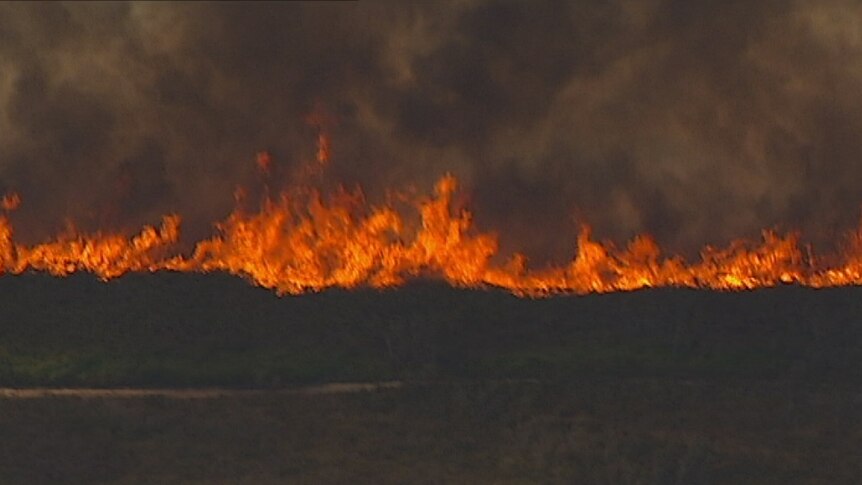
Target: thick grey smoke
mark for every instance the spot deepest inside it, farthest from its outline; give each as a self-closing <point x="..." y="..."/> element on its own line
<point x="694" y="121"/>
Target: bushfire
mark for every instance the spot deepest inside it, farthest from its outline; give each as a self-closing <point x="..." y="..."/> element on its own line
<point x="295" y="246"/>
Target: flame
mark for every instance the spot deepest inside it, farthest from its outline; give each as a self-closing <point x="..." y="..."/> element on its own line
<point x="306" y="243"/>
<point x="264" y="162"/>
<point x="321" y="121"/>
<point x="322" y="155"/>
<point x="294" y="247"/>
<point x="10" y="202"/>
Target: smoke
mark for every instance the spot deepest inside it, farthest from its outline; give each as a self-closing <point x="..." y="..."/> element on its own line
<point x="697" y="122"/>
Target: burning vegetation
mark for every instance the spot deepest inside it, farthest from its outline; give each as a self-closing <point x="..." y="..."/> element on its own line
<point x="309" y="243"/>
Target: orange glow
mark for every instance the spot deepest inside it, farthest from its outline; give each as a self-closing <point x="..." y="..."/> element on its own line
<point x="322" y="155"/>
<point x="264" y="162"/>
<point x="294" y="245"/>
<point x="321" y="122"/>
<point x="10" y="202"/>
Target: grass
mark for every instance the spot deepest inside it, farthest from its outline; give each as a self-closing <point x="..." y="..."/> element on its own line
<point x="622" y="431"/>
<point x="203" y="330"/>
<point x="660" y="386"/>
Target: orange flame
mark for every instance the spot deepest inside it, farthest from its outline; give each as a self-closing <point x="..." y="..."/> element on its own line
<point x="264" y="162"/>
<point x="321" y="121"/>
<point x="322" y="155"/>
<point x="296" y="246"/>
<point x="10" y="202"/>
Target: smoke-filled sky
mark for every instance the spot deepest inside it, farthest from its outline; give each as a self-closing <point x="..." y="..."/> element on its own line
<point x="694" y="121"/>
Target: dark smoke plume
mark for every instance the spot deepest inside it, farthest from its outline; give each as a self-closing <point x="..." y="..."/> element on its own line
<point x="694" y="121"/>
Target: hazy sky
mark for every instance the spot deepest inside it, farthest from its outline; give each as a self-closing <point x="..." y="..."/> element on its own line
<point x="694" y="121"/>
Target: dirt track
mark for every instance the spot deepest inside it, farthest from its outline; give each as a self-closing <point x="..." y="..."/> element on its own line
<point x="207" y="393"/>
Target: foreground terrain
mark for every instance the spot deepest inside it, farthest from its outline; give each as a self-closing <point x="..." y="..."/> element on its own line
<point x="661" y="386"/>
<point x="183" y="330"/>
<point x="585" y="431"/>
